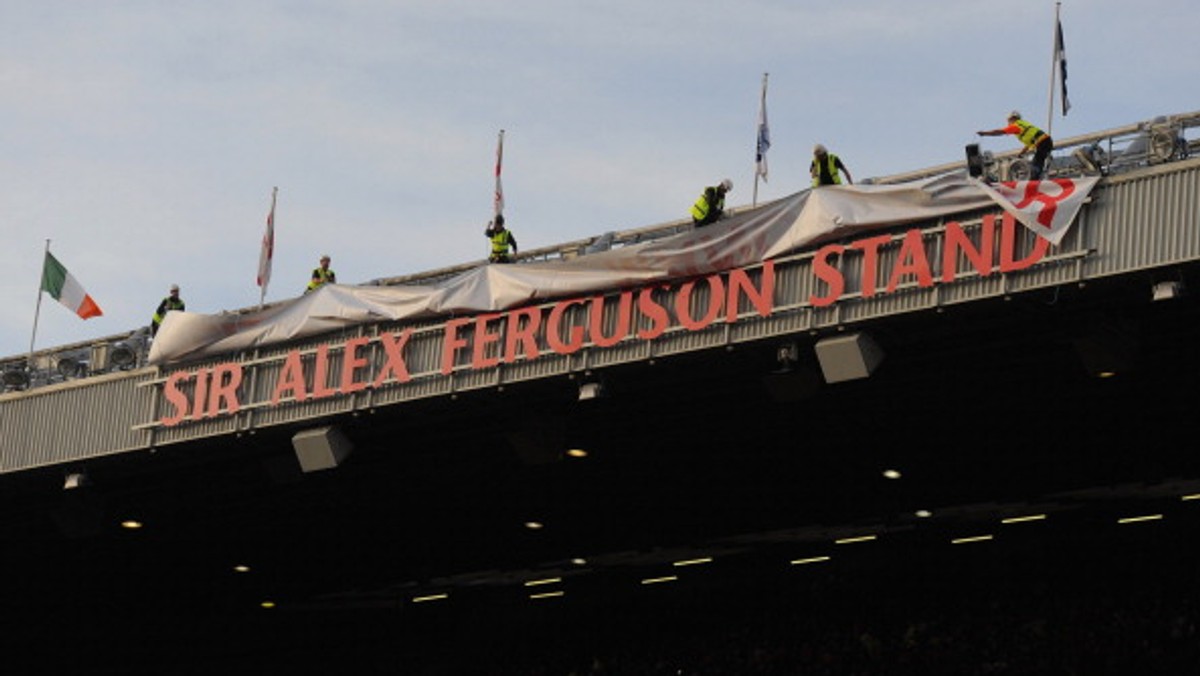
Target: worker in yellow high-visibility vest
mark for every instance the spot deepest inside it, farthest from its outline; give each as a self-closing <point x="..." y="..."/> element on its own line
<point x="502" y="239"/>
<point x="1031" y="137"/>
<point x="321" y="275"/>
<point x="825" y="168"/>
<point x="710" y="206"/>
<point x="171" y="303"/>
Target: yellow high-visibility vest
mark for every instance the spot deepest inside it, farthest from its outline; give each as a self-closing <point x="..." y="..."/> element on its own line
<point x="1030" y="135"/>
<point x="831" y="161"/>
<point x="321" y="276"/>
<point x="500" y="243"/>
<point x="703" y="205"/>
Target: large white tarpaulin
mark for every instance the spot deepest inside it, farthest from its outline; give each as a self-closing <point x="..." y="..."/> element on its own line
<point x="793" y="223"/>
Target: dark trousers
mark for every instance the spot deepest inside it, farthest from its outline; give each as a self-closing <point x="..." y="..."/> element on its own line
<point x="1040" y="154"/>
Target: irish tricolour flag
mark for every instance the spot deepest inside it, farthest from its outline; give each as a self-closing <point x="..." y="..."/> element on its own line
<point x="60" y="284"/>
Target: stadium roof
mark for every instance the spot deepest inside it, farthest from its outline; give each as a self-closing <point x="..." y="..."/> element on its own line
<point x="981" y="418"/>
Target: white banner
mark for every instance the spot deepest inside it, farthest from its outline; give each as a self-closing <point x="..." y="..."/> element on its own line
<point x="800" y="221"/>
<point x="1045" y="207"/>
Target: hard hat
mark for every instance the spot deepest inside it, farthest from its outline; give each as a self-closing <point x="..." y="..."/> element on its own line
<point x="819" y="149"/>
<point x="727" y="184"/>
<point x="174" y="287"/>
<point x="1014" y="114"/>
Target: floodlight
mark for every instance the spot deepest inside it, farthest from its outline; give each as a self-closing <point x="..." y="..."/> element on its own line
<point x="1087" y="159"/>
<point x="126" y="353"/>
<point x="590" y="390"/>
<point x="1165" y="143"/>
<point x="122" y="355"/>
<point x="1019" y="170"/>
<point x="1167" y="290"/>
<point x="74" y="363"/>
<point x="75" y="480"/>
<point x="16" y="378"/>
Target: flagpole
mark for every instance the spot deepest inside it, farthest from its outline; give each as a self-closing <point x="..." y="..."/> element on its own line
<point x="498" y="193"/>
<point x="38" y="307"/>
<point x="1053" y="69"/>
<point x="758" y="149"/>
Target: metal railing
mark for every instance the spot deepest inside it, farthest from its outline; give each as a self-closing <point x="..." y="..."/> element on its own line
<point x="1165" y="138"/>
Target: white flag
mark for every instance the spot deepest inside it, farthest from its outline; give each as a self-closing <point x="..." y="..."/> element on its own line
<point x="268" y="247"/>
<point x="498" y="198"/>
<point x="764" y="135"/>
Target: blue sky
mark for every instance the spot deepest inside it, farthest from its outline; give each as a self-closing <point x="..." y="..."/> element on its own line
<point x="144" y="137"/>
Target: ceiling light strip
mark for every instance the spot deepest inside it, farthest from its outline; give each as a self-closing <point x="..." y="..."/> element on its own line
<point x="1139" y="519"/>
<point x="657" y="580"/>
<point x="548" y="580"/>
<point x="1023" y="519"/>
<point x="812" y="559"/>
<point x="974" y="538"/>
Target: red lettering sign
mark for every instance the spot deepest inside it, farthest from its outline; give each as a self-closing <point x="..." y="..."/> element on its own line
<point x="393" y="350"/>
<point x="956" y="240"/>
<point x="554" y="330"/>
<point x="825" y="272"/>
<point x="683" y="302"/>
<point x="523" y="327"/>
<point x="176" y="398"/>
<point x="321" y="388"/>
<point x="1008" y="238"/>
<point x="226" y="379"/>
<point x="291" y="379"/>
<point x="596" y="326"/>
<point x="911" y="260"/>
<point x="351" y="363"/>
<point x="762" y="299"/>
<point x="452" y="343"/>
<point x="483" y="338"/>
<point x="215" y="393"/>
<point x="493" y="338"/>
<point x="609" y="320"/>
<point x="870" y="261"/>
